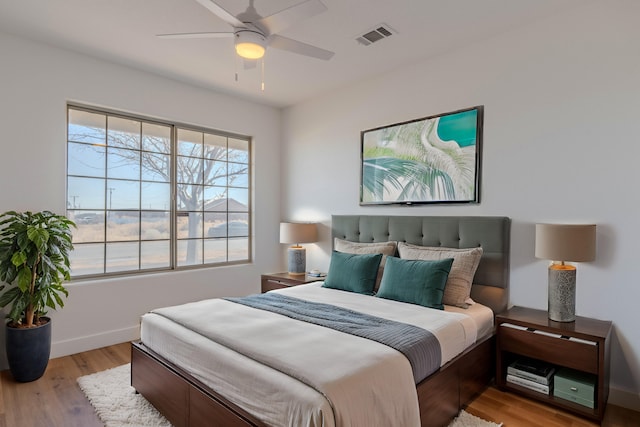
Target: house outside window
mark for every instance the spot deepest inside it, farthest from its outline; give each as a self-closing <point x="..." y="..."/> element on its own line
<point x="148" y="195"/>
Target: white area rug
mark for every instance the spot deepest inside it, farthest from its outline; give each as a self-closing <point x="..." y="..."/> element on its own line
<point x="465" y="419"/>
<point x="118" y="405"/>
<point x="116" y="402"/>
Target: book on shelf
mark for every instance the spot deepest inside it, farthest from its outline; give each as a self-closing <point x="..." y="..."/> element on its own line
<point x="528" y="384"/>
<point x="533" y="370"/>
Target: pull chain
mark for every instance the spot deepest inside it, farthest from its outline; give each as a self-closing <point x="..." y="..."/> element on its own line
<point x="262" y="75"/>
<point x="237" y="60"/>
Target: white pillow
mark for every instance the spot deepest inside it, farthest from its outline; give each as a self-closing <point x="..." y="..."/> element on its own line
<point x="465" y="263"/>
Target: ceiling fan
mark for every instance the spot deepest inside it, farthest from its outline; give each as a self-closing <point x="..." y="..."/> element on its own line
<point x="252" y="33"/>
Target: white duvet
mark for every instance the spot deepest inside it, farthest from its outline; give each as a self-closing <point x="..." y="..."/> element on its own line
<point x="338" y="380"/>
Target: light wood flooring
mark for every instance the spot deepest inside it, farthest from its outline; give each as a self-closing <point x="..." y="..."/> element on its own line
<point x="55" y="400"/>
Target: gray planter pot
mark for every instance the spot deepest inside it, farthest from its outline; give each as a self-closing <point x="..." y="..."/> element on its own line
<point x="28" y="351"/>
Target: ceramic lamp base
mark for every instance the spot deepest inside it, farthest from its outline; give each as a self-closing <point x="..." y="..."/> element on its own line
<point x="562" y="293"/>
<point x="297" y="260"/>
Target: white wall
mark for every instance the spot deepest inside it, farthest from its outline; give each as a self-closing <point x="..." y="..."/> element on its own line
<point x="36" y="81"/>
<point x="561" y="144"/>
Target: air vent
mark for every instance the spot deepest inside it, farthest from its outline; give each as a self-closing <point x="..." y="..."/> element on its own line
<point x="378" y="33"/>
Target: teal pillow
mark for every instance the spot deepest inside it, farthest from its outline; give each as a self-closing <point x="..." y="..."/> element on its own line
<point x="353" y="272"/>
<point x="415" y="281"/>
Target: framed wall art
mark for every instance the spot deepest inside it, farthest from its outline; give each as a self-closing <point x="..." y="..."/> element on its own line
<point x="435" y="159"/>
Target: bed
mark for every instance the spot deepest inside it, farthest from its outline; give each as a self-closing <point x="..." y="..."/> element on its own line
<point x="189" y="398"/>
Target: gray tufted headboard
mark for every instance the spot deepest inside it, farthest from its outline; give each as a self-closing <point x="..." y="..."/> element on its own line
<point x="491" y="282"/>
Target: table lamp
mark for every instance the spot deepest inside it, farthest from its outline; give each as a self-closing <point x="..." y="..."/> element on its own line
<point x="560" y="243"/>
<point x="296" y="233"/>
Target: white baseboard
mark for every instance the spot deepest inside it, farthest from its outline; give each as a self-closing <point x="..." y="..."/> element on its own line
<point x="91" y="342"/>
<point x="624" y="398"/>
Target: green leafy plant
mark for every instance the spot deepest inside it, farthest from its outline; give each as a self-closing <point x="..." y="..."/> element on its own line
<point x="34" y="263"/>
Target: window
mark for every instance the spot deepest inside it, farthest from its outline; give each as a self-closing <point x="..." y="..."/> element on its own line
<point x="147" y="195"/>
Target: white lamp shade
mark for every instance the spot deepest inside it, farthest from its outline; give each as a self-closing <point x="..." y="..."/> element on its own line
<point x="296" y="232"/>
<point x="566" y="242"/>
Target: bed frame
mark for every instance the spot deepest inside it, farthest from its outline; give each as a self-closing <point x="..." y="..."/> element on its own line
<point x="185" y="401"/>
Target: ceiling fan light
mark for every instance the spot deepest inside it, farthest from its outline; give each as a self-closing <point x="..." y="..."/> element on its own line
<point x="250" y="44"/>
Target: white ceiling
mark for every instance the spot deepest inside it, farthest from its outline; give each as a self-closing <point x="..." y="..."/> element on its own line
<point x="124" y="31"/>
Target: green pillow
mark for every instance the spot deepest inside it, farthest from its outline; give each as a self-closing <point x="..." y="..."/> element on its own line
<point x="415" y="281"/>
<point x="353" y="272"/>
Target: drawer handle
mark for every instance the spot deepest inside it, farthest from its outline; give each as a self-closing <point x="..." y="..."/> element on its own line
<point x="574" y="388"/>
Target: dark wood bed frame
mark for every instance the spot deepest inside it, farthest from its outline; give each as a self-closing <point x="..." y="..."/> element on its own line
<point x="186" y="401"/>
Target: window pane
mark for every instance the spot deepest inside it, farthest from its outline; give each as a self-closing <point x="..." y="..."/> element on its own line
<point x="156" y="167"/>
<point x="240" y="197"/>
<point x="156" y="196"/>
<point x="123" y="164"/>
<point x="215" y="198"/>
<point x="238" y="150"/>
<point x="213" y="219"/>
<point x="87" y="127"/>
<point x="238" y="175"/>
<point x="123" y="133"/>
<point x="190" y="170"/>
<point x="238" y="249"/>
<point x="89" y="226"/>
<point x="155" y="225"/>
<point x="86" y="160"/>
<point x="234" y="228"/>
<point x="238" y="172"/>
<point x="189" y="197"/>
<point x="215" y="147"/>
<point x="85" y="193"/>
<point x="189" y="252"/>
<point x="156" y="138"/>
<point x="155" y="254"/>
<point x="123" y="194"/>
<point x="215" y="251"/>
<point x="122" y="257"/>
<point x="189" y="225"/>
<point x="123" y="226"/>
<point x="238" y="225"/>
<point x="189" y="143"/>
<point x="87" y="259"/>
<point x="215" y="172"/>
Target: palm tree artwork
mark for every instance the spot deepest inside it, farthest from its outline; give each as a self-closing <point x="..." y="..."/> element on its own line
<point x="435" y="159"/>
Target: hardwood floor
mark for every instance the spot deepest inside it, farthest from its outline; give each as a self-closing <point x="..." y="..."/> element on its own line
<point x="55" y="400"/>
<point x="516" y="411"/>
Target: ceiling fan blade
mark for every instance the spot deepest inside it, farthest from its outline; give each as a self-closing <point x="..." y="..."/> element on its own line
<point x="290" y="16"/>
<point x="295" y="46"/>
<point x="194" y="35"/>
<point x="221" y="13"/>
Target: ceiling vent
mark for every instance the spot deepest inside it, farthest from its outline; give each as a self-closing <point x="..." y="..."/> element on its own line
<point x="380" y="32"/>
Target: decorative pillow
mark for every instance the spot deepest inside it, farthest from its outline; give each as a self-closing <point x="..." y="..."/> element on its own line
<point x="384" y="248"/>
<point x="465" y="264"/>
<point x="353" y="272"/>
<point x="415" y="281"/>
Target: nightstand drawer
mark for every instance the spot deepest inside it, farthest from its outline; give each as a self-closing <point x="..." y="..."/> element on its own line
<point x="575" y="386"/>
<point x="576" y="354"/>
<point x="273" y="281"/>
<point x="272" y="284"/>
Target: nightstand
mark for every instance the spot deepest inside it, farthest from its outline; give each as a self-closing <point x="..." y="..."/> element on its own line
<point x="582" y="346"/>
<point x="273" y="281"/>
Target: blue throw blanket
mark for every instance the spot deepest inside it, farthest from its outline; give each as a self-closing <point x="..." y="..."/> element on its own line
<point x="420" y="346"/>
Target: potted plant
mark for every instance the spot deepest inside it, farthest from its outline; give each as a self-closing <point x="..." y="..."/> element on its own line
<point x="34" y="263"/>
